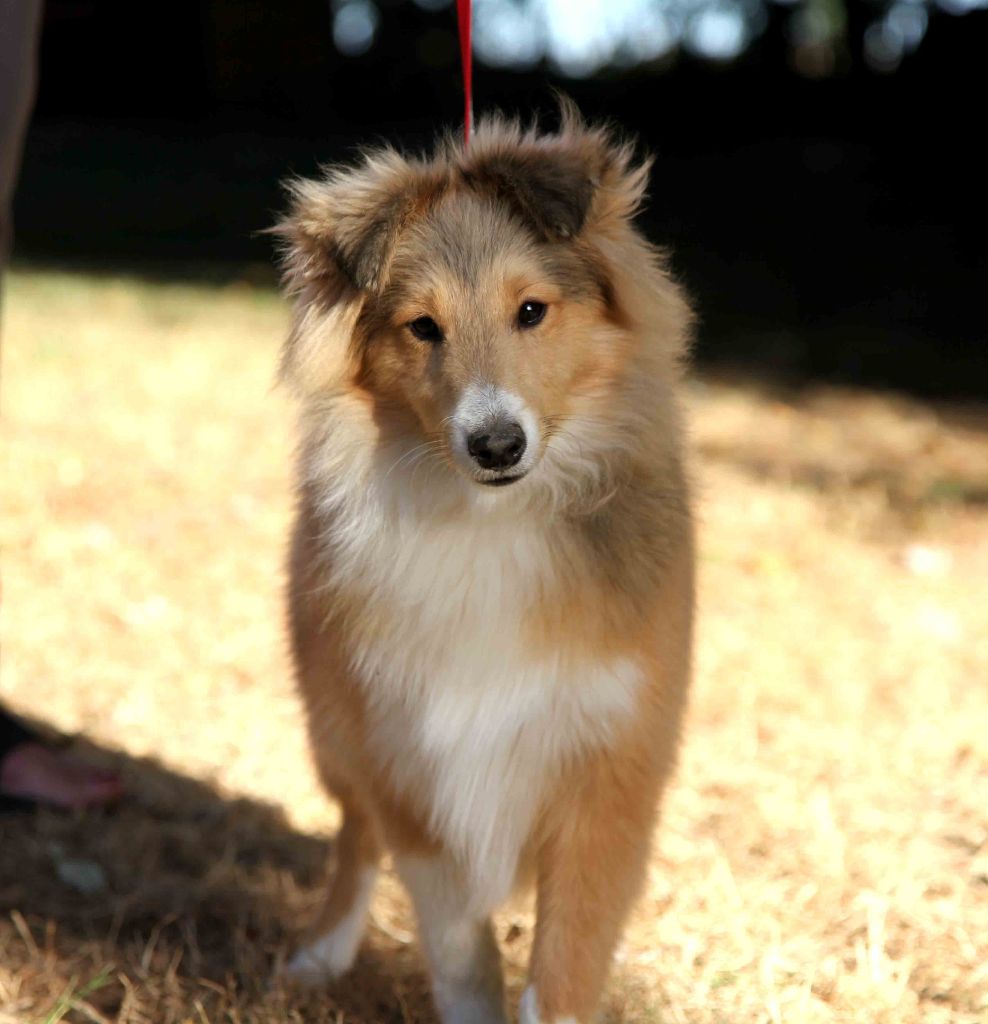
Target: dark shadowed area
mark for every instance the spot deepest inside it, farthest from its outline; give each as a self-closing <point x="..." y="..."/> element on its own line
<point x="818" y="176"/>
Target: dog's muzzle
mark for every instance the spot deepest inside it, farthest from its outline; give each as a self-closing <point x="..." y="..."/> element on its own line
<point x="494" y="435"/>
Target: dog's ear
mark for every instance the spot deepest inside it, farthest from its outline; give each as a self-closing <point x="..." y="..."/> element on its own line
<point x="550" y="190"/>
<point x="348" y="222"/>
<point x="337" y="244"/>
<point x="559" y="184"/>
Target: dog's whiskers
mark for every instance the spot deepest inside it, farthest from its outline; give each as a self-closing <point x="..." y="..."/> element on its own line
<point x="411" y="457"/>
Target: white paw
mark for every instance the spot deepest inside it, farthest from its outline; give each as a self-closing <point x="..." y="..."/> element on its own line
<point x="330" y="956"/>
<point x="528" y="1010"/>
<point x="466" y="1008"/>
<point x="319" y="963"/>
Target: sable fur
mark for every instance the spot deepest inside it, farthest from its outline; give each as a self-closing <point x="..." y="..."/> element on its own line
<point x="494" y="678"/>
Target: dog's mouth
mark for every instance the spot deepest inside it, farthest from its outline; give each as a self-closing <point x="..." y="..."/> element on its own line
<point x="502" y="481"/>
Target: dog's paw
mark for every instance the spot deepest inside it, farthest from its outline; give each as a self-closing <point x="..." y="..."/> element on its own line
<point x="528" y="1010"/>
<point x="471" y="1007"/>
<point x="318" y="964"/>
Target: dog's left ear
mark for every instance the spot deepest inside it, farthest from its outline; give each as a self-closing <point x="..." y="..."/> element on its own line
<point x="560" y="184"/>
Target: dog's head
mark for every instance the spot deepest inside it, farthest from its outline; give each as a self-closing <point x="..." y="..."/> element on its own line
<point x="487" y="302"/>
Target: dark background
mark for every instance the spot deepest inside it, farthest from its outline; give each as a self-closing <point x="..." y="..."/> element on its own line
<point x="826" y="208"/>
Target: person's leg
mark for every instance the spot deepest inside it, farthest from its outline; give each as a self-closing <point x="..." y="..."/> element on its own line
<point x="31" y="771"/>
<point x="20" y="24"/>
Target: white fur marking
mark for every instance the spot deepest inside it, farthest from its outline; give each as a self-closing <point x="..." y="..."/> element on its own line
<point x="458" y="705"/>
<point x="466" y="963"/>
<point x="528" y="1010"/>
<point x="332" y="955"/>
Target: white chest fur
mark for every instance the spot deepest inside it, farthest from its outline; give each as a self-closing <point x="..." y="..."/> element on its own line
<point x="469" y="721"/>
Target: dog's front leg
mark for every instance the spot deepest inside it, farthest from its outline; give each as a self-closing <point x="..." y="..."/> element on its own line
<point x="459" y="943"/>
<point x="590" y="869"/>
<point x="332" y="943"/>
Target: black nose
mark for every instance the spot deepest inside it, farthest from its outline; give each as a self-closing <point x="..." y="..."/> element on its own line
<point x="500" y="448"/>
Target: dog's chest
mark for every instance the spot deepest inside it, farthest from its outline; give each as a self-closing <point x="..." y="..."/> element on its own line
<point x="471" y="723"/>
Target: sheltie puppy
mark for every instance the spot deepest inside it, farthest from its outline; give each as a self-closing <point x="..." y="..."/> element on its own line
<point x="491" y="579"/>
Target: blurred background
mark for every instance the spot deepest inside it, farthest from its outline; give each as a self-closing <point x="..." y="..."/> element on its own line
<point x="819" y="178"/>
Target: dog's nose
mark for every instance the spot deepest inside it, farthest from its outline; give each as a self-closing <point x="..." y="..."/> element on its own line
<point x="499" y="448"/>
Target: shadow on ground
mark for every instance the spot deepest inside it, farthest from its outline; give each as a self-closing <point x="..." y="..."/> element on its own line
<point x="179" y="904"/>
<point x="918" y="457"/>
<point x="178" y="898"/>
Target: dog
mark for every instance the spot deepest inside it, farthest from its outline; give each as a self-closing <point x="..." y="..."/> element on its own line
<point x="491" y="571"/>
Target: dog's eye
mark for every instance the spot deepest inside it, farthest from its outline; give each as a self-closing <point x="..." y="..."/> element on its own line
<point x="531" y="313"/>
<point x="426" y="329"/>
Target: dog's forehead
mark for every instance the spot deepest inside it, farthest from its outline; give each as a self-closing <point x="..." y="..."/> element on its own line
<point x="470" y="238"/>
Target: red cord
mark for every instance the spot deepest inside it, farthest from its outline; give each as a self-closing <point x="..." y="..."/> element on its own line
<point x="466" y="60"/>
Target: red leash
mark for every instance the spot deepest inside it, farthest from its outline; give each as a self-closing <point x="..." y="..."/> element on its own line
<point x="466" y="60"/>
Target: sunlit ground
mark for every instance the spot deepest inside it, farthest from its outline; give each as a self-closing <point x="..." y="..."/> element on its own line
<point x="824" y="854"/>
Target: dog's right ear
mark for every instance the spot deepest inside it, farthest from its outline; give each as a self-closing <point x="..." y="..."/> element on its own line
<point x="337" y="244"/>
<point x="348" y="222"/>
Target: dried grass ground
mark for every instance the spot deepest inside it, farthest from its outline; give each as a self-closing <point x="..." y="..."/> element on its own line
<point x="824" y="853"/>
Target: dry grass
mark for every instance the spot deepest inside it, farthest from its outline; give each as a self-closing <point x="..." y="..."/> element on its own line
<point x="824" y="855"/>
